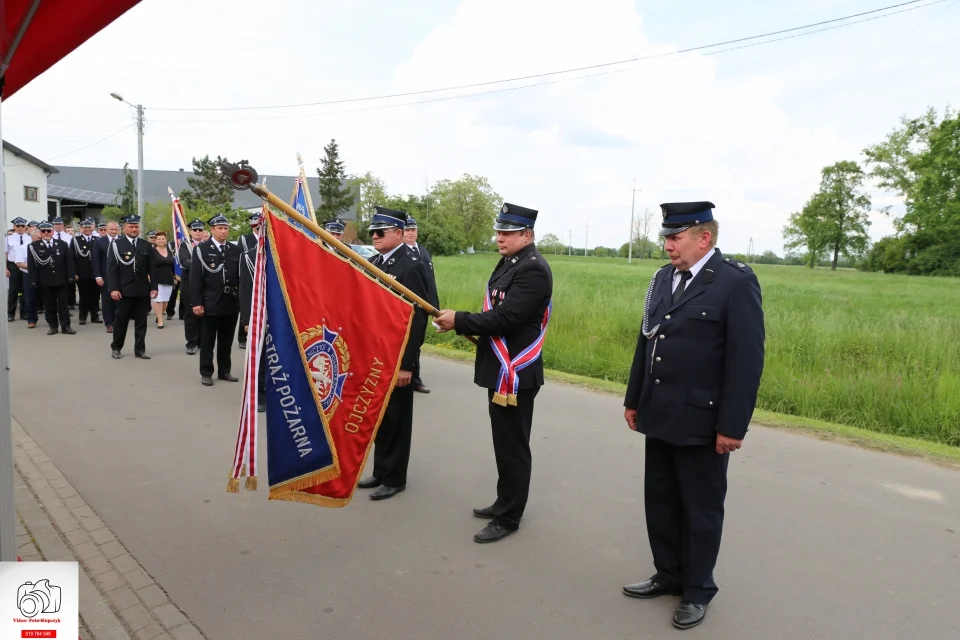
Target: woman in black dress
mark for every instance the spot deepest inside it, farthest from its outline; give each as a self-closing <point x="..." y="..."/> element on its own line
<point x="162" y="266"/>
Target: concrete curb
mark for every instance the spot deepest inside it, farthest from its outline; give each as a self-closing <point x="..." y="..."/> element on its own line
<point x="119" y="600"/>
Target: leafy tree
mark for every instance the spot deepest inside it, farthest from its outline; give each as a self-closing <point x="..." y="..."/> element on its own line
<point x="207" y="187"/>
<point x="128" y="193"/>
<point x="550" y="243"/>
<point x="920" y="162"/>
<point x="335" y="198"/>
<point x="111" y="212"/>
<point x="369" y="191"/>
<point x="473" y="200"/>
<point x="836" y="218"/>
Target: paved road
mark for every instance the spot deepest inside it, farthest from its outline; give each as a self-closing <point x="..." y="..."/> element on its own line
<point x="822" y="540"/>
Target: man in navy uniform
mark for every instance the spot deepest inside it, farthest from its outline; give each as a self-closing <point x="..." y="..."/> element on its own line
<point x="50" y="269"/>
<point x="335" y="228"/>
<point x="131" y="287"/>
<point x="191" y="323"/>
<point x="513" y="324"/>
<point x="410" y="232"/>
<point x="101" y="254"/>
<point x="215" y="296"/>
<point x="82" y="246"/>
<point x="391" y="453"/>
<point x="692" y="390"/>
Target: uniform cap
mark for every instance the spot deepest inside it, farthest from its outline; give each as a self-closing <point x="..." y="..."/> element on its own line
<point x="57" y="220"/>
<point x="334" y="226"/>
<point x="131" y="219"/>
<point x="18" y="221"/>
<point x="45" y="225"/>
<point x="386" y="218"/>
<point x="513" y="217"/>
<point x="218" y="220"/>
<point x="679" y="216"/>
<point x="197" y="224"/>
<point x="411" y="222"/>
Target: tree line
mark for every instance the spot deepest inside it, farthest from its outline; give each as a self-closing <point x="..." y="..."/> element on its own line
<point x="920" y="162"/>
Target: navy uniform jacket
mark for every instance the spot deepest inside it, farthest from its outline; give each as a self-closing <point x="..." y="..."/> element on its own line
<point x="520" y="290"/>
<point x="219" y="292"/>
<point x="427" y="260"/>
<point x="100" y="247"/>
<point x="131" y="280"/>
<point x="409" y="270"/>
<point x="58" y="272"/>
<point x="83" y="256"/>
<point x="699" y="373"/>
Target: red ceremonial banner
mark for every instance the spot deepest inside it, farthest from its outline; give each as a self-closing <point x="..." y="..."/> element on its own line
<point x="352" y="332"/>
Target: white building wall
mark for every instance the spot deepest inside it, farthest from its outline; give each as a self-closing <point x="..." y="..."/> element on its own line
<point x="19" y="173"/>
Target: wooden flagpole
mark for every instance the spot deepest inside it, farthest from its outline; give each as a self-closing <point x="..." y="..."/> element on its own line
<point x="306" y="190"/>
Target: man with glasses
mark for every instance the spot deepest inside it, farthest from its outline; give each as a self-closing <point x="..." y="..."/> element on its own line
<point x="62" y="233"/>
<point x="410" y="233"/>
<point x="86" y="279"/>
<point x="391" y="453"/>
<point x="50" y="268"/>
<point x="18" y="238"/>
<point x="131" y="287"/>
<point x="191" y="323"/>
<point x="510" y="330"/>
<point x="101" y="252"/>
<point x="29" y="300"/>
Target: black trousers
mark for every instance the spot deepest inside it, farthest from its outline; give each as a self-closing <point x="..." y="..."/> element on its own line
<point x="108" y="305"/>
<point x="511" y="445"/>
<point x="391" y="451"/>
<point x="172" y="303"/>
<point x="89" y="298"/>
<point x="217" y="330"/>
<point x="55" y="306"/>
<point x="241" y="335"/>
<point x="684" y="491"/>
<point x="17" y="280"/>
<point x="72" y="293"/>
<point x="126" y="308"/>
<point x="191" y="323"/>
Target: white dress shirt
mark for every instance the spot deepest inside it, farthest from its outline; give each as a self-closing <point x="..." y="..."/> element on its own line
<point x="694" y="270"/>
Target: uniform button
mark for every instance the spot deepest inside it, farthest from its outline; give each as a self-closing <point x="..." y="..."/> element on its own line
<point x="666" y="317"/>
<point x="658" y="358"/>
<point x="703" y="313"/>
<point x="657" y="381"/>
<point x="663" y="337"/>
<point x="711" y="403"/>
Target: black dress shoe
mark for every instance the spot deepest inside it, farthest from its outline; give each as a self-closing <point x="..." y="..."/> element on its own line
<point x="385" y="492"/>
<point x="206" y="381"/>
<point x="68" y="331"/>
<point x="493" y="532"/>
<point x="486" y="513"/>
<point x="96" y="321"/>
<point x="370" y="482"/>
<point x="261" y="407"/>
<point x="142" y="356"/>
<point x="421" y="388"/>
<point x="689" y="615"/>
<point x="116" y="355"/>
<point x="191" y="351"/>
<point x="83" y="322"/>
<point x="243" y="345"/>
<point x="650" y="589"/>
<point x="53" y="332"/>
<point x="227" y="377"/>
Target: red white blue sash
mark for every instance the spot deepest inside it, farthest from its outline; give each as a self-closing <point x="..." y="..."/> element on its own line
<point x="508" y="382"/>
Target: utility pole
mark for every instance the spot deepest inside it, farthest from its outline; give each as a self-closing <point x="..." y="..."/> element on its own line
<point x="633" y="199"/>
<point x="570" y="244"/>
<point x="139" y="108"/>
<point x="585" y="240"/>
<point x="750" y="251"/>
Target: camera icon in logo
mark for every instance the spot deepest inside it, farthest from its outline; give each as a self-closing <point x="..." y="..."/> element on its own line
<point x="36" y="598"/>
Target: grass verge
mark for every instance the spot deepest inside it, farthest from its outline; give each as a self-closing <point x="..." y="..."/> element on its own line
<point x="913" y="447"/>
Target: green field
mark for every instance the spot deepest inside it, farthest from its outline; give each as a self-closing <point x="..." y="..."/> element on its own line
<point x="875" y="351"/>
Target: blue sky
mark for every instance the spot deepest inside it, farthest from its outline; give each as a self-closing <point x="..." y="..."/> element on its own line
<point x="747" y="129"/>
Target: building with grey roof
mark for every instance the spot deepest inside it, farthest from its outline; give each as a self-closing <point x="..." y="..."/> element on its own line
<point x="81" y="192"/>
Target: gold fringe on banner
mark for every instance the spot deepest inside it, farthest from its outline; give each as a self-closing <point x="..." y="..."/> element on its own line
<point x="233" y="485"/>
<point x="512" y="399"/>
<point x="251" y="484"/>
<point x="500" y="399"/>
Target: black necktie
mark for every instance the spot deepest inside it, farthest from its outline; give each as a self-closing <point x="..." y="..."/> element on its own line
<point x="21" y="239"/>
<point x="684" y="276"/>
<point x="377" y="259"/>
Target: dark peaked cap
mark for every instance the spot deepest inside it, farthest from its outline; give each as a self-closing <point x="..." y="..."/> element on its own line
<point x="678" y="216"/>
<point x="513" y="217"/>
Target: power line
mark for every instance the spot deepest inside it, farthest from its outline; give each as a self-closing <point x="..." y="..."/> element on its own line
<point x="62" y="155"/>
<point x="571" y="70"/>
<point x="526" y="86"/>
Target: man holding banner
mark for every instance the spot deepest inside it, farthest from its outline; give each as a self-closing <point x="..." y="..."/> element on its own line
<point x="511" y="328"/>
<point x="392" y="444"/>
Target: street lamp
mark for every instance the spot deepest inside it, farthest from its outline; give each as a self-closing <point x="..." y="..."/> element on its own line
<point x="139" y="109"/>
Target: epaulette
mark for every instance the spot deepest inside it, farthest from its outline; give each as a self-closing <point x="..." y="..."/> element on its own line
<point x="738" y="265"/>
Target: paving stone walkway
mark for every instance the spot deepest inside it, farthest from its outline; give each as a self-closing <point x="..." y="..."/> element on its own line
<point x="119" y="600"/>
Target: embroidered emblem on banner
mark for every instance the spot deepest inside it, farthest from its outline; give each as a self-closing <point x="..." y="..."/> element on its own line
<point x="328" y="359"/>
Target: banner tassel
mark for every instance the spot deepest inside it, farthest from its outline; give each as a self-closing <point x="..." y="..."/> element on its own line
<point x="512" y="399"/>
<point x="251" y="484"/>
<point x="500" y="399"/>
<point x="233" y="485"/>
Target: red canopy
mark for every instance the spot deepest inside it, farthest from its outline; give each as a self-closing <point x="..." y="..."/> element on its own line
<point x="54" y="28"/>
